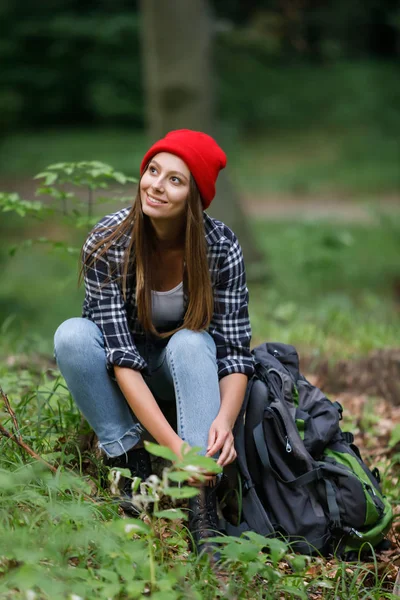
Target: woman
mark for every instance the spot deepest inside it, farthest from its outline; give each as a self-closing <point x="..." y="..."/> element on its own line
<point x="165" y="319"/>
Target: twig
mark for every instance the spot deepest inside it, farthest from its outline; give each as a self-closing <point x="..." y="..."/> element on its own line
<point x="20" y="442"/>
<point x="27" y="449"/>
<point x="11" y="413"/>
<point x="396" y="588"/>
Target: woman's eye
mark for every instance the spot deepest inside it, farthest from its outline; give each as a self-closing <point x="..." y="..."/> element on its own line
<point x="175" y="180"/>
<point x="152" y="169"/>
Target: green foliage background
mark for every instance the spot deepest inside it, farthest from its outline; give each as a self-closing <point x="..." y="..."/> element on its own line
<point x="72" y="63"/>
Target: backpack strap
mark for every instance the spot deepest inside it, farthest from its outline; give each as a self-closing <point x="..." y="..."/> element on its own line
<point x="333" y="509"/>
<point x="339" y="408"/>
<point x="253" y="512"/>
<point x="235" y="530"/>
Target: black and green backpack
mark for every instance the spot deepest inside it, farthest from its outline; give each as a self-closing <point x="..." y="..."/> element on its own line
<point x="302" y="477"/>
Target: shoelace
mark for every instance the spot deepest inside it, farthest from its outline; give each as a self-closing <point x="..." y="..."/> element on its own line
<point x="204" y="521"/>
<point x="212" y="511"/>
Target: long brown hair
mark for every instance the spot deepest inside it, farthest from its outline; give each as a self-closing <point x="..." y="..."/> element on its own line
<point x="140" y="257"/>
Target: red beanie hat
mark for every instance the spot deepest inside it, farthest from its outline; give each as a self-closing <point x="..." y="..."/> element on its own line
<point x="200" y="152"/>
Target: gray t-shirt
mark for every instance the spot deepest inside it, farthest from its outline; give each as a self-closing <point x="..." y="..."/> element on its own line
<point x="167" y="307"/>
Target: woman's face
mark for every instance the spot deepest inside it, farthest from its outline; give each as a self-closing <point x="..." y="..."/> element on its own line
<point x="164" y="187"/>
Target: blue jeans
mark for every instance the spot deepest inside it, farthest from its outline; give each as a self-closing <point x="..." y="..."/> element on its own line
<point x="182" y="369"/>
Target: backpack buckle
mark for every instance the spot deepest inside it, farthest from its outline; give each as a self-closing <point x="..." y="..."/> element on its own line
<point x="339" y="408"/>
<point x="247" y="485"/>
<point x="348" y="437"/>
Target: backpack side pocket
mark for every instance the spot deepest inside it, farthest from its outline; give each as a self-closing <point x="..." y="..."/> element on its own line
<point x="360" y="503"/>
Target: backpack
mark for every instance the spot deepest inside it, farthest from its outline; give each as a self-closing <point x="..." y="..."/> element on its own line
<point x="301" y="476"/>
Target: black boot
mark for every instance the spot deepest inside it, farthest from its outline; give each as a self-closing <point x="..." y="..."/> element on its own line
<point x="203" y="522"/>
<point x="137" y="460"/>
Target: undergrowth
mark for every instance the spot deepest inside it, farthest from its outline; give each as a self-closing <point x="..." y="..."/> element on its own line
<point x="62" y="535"/>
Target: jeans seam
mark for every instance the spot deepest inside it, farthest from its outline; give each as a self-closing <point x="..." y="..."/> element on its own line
<point x="177" y="393"/>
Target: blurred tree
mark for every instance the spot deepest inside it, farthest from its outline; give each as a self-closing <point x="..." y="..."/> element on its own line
<point x="177" y="40"/>
<point x="73" y="62"/>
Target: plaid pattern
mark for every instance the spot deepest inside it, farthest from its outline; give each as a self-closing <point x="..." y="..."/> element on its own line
<point x="118" y="321"/>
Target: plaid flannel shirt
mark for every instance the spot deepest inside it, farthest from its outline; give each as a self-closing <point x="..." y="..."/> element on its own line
<point x="118" y="320"/>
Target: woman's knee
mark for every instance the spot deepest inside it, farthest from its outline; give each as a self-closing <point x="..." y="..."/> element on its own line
<point x="74" y="335"/>
<point x="191" y="343"/>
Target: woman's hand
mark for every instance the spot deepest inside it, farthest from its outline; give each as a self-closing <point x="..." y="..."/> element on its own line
<point x="221" y="438"/>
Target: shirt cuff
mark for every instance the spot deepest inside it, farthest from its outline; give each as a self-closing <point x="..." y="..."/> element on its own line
<point x="227" y="366"/>
<point x="125" y="358"/>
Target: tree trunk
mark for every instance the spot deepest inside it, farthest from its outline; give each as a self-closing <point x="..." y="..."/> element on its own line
<point x="177" y="41"/>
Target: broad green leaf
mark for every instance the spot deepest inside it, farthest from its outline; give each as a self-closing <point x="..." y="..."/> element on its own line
<point x="124" y="567"/>
<point x="50" y="178"/>
<point x="182" y="492"/>
<point x="130" y="526"/>
<point x="200" y="464"/>
<point x="161" y="451"/>
<point x="138" y="527"/>
<point x="135" y="588"/>
<point x="244" y="551"/>
<point x="171" y="513"/>
<point x="179" y="476"/>
<point x="277" y="549"/>
<point x="97" y="172"/>
<point x="120" y="177"/>
<point x="166" y="595"/>
<point x="124" y="473"/>
<point x="291" y="591"/>
<point x="42" y="175"/>
<point x="108" y="575"/>
<point x="324" y="583"/>
<point x="60" y="165"/>
<point x="298" y="563"/>
<point x="260" y="540"/>
<point x="98" y="164"/>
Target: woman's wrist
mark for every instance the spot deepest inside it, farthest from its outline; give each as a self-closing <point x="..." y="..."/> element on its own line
<point x="177" y="446"/>
<point x="227" y="416"/>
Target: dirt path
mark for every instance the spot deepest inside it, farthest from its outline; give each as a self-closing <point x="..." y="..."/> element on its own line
<point x="322" y="207"/>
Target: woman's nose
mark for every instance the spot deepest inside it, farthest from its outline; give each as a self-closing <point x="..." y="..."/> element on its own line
<point x="158" y="184"/>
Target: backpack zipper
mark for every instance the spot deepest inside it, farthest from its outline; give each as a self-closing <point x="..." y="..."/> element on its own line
<point x="281" y="427"/>
<point x="375" y="499"/>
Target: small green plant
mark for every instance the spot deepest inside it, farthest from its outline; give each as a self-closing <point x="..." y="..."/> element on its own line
<point x="89" y="175"/>
<point x="71" y="187"/>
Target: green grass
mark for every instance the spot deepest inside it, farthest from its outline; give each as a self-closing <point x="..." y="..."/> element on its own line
<point x="333" y="287"/>
<point x="356" y="162"/>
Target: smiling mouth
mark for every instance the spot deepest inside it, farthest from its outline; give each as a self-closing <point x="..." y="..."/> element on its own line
<point x="152" y="200"/>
